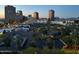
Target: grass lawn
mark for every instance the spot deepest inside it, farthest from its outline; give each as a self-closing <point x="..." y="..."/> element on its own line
<point x="70" y="51"/>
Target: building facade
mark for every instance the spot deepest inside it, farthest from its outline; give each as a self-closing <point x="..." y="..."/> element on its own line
<point x="10" y="13"/>
<point x="51" y="14"/>
<point x="19" y="15"/>
<point x="36" y="15"/>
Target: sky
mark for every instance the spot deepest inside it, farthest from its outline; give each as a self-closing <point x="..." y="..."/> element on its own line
<point x="62" y="11"/>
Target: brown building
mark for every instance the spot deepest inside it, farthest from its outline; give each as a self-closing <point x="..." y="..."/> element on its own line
<point x="51" y="14"/>
<point x="36" y="15"/>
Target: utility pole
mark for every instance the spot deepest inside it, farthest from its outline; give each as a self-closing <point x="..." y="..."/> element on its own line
<point x="75" y="40"/>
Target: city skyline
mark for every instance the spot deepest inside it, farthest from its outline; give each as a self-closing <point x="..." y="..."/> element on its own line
<point x="62" y="11"/>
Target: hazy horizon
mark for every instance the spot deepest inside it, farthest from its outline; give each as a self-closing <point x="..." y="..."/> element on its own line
<point x="62" y="11"/>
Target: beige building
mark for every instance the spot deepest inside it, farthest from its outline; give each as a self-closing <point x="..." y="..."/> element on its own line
<point x="51" y="14"/>
<point x="36" y="15"/>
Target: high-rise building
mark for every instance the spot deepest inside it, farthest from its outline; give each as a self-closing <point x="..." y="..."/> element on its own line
<point x="19" y="15"/>
<point x="19" y="12"/>
<point x="10" y="13"/>
<point x="36" y="15"/>
<point x="29" y="16"/>
<point x="51" y="14"/>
